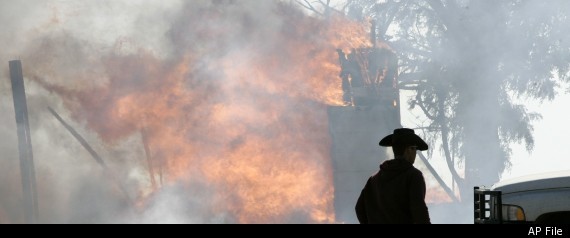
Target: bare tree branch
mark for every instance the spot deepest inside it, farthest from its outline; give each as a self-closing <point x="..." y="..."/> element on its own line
<point x="420" y="103"/>
<point x="446" y="150"/>
<point x="309" y="6"/>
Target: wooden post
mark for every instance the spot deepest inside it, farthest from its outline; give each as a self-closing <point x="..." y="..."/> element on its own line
<point x="24" y="143"/>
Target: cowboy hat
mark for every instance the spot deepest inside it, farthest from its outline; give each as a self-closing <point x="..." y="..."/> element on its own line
<point x="405" y="137"/>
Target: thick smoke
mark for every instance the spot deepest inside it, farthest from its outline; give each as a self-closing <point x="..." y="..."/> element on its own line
<point x="194" y="77"/>
<point x="473" y="63"/>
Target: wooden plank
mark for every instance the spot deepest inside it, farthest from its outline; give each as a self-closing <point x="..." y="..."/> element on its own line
<point x="24" y="143"/>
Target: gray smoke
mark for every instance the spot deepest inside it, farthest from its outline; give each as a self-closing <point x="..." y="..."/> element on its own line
<point x="61" y="40"/>
<point x="475" y="62"/>
<point x="68" y="48"/>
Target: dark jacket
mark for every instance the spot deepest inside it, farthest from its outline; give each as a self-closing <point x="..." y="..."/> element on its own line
<point x="396" y="194"/>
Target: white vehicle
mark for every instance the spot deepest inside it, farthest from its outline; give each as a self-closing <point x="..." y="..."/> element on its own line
<point x="540" y="198"/>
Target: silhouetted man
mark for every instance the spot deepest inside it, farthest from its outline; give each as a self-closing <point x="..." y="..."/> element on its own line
<point x="396" y="194"/>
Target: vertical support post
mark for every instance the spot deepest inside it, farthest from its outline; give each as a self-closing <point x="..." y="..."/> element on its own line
<point x="24" y="143"/>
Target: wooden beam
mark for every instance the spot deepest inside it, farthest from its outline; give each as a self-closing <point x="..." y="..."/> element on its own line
<point x="24" y="143"/>
<point x="95" y="156"/>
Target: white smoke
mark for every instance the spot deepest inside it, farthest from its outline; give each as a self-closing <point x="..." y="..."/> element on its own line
<point x="66" y="46"/>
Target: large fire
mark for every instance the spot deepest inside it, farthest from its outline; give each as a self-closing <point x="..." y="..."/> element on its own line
<point x="239" y="108"/>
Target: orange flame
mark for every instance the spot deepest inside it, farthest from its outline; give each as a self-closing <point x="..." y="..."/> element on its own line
<point x="243" y="110"/>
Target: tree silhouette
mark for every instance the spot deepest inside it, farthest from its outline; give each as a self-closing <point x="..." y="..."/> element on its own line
<point x="467" y="62"/>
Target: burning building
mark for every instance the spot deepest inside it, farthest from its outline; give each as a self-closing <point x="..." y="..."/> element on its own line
<point x="371" y="98"/>
<point x="253" y="118"/>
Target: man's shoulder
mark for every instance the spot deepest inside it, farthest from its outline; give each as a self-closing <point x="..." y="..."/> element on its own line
<point x="415" y="172"/>
<point x="374" y="176"/>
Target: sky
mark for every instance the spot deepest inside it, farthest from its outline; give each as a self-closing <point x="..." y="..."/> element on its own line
<point x="551" y="149"/>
